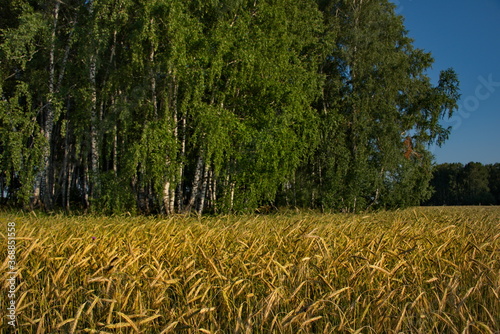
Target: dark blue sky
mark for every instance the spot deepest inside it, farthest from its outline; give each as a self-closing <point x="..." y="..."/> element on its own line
<point x="464" y="35"/>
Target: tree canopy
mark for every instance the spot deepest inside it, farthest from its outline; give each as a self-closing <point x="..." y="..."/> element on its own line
<point x="164" y="106"/>
<point x="470" y="184"/>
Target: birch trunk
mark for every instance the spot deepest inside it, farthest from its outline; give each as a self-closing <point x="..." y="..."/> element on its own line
<point x="166" y="197"/>
<point x="43" y="187"/>
<point x="171" y="204"/>
<point x="231" y="203"/>
<point x="196" y="183"/>
<point x="85" y="185"/>
<point x="115" y="150"/>
<point x="65" y="169"/>
<point x="69" y="182"/>
<point x="180" y="172"/>
<point x="94" y="133"/>
<point x="174" y="94"/>
<point x="93" y="187"/>
<point x="213" y="191"/>
<point x="202" y="193"/>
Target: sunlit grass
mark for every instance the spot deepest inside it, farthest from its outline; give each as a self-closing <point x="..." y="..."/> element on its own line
<point x="423" y="270"/>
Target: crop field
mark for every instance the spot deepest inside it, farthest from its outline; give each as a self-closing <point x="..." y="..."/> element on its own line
<point x="419" y="270"/>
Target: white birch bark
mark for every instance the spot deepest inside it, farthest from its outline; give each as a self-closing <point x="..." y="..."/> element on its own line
<point x="196" y="183"/>
<point x="43" y="187"/>
<point x="202" y="193"/>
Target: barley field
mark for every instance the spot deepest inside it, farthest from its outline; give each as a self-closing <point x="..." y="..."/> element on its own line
<point x="419" y="270"/>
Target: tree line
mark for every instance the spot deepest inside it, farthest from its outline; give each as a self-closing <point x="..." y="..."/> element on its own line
<point x="470" y="184"/>
<point x="166" y="106"/>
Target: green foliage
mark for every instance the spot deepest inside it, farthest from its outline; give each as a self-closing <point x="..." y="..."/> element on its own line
<point x="494" y="181"/>
<point x="21" y="144"/>
<point x="167" y="105"/>
<point x="378" y="112"/>
<point x="472" y="184"/>
<point x="19" y="42"/>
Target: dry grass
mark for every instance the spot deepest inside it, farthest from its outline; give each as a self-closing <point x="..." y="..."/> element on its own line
<point x="423" y="270"/>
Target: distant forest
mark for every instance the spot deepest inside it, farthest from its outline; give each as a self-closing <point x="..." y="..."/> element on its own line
<point x="470" y="184"/>
<point x="170" y="106"/>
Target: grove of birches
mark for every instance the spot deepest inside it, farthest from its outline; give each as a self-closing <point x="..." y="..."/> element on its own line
<point x="215" y="106"/>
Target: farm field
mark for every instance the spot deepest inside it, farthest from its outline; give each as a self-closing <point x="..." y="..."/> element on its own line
<point x="418" y="270"/>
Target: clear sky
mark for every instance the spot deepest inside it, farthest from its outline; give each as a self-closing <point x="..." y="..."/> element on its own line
<point x="464" y="35"/>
